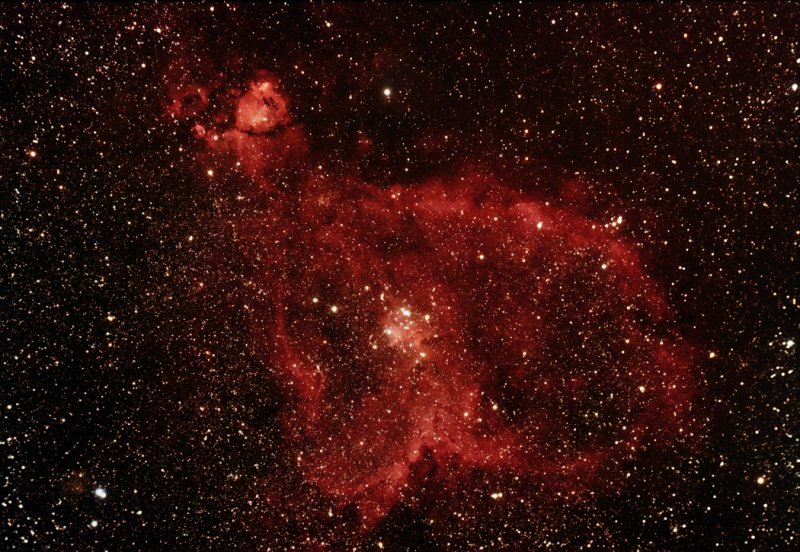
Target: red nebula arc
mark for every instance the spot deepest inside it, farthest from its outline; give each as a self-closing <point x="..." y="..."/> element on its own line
<point x="454" y="323"/>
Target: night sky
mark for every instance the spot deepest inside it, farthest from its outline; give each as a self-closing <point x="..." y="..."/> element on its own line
<point x="399" y="276"/>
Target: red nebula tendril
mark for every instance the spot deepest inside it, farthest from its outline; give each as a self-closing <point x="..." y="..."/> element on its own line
<point x="456" y="323"/>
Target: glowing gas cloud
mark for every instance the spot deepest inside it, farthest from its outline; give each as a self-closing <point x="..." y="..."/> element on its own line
<point x="430" y="330"/>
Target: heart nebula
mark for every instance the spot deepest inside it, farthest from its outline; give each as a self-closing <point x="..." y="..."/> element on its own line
<point x="459" y="324"/>
<point x="445" y="328"/>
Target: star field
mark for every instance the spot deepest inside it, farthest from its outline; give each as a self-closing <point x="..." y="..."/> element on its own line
<point x="399" y="276"/>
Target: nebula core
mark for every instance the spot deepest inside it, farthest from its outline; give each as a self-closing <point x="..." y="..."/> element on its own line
<point x="433" y="329"/>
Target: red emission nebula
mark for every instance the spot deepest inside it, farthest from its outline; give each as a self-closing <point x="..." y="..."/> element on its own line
<point x="442" y="329"/>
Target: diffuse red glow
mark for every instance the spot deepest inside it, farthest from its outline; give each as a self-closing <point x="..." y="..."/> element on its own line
<point x="455" y="324"/>
<point x="460" y="319"/>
